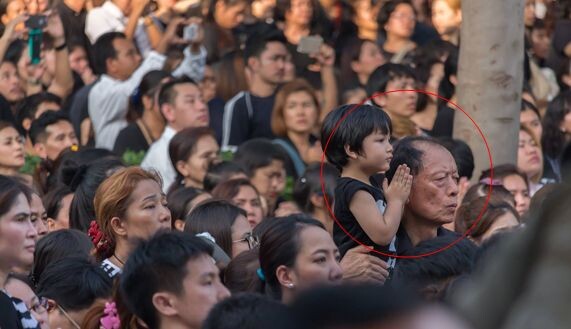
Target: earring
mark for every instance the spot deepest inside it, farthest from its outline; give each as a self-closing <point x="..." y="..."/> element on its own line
<point x="289" y="285"/>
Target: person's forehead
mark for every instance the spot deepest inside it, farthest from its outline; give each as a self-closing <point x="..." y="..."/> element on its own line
<point x="199" y="266"/>
<point x="59" y="127"/>
<point x="275" y="48"/>
<point x="435" y="158"/>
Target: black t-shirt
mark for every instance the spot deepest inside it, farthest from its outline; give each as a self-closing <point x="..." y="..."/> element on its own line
<point x="216" y="111"/>
<point x="444" y="122"/>
<point x="247" y="117"/>
<point x="344" y="192"/>
<point x="130" y="138"/>
<point x="404" y="245"/>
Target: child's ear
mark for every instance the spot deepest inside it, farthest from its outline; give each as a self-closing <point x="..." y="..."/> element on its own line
<point x="350" y="153"/>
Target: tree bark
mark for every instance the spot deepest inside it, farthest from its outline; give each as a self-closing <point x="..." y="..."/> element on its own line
<point x="490" y="79"/>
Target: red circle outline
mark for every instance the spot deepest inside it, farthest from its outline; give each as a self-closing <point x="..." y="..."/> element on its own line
<point x="428" y="253"/>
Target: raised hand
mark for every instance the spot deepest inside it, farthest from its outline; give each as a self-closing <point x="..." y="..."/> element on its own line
<point x="399" y="189"/>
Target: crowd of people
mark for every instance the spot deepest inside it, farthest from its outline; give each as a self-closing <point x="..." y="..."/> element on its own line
<point x="202" y="164"/>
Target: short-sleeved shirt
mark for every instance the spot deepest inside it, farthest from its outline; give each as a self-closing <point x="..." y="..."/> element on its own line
<point x="344" y="192"/>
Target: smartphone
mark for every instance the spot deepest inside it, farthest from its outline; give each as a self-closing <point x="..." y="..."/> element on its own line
<point x="37" y="22"/>
<point x="310" y="44"/>
<point x="190" y="32"/>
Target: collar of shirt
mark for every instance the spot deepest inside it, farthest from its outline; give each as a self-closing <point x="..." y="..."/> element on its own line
<point x="113" y="10"/>
<point x="169" y="133"/>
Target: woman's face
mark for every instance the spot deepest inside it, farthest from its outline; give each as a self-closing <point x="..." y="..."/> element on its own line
<point x="249" y="201"/>
<point x="13" y="10"/>
<point x="268" y="180"/>
<point x="22" y="291"/>
<point x="240" y="230"/>
<point x="206" y="152"/>
<point x="505" y="221"/>
<point x="62" y="218"/>
<point x="300" y="113"/>
<point x="529" y="158"/>
<point x="317" y="261"/>
<point x="38" y="216"/>
<point x="445" y="19"/>
<point x="436" y="75"/>
<point x="11" y="149"/>
<point x="518" y="188"/>
<point x="10" y="84"/>
<point x="401" y="22"/>
<point x="369" y="59"/>
<point x="228" y="17"/>
<point x="299" y="13"/>
<point x="78" y="60"/>
<point x="531" y="121"/>
<point x="540" y="42"/>
<point x="17" y="236"/>
<point x="147" y="212"/>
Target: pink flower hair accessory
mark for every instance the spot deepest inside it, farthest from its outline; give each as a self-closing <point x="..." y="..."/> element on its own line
<point x="111" y="318"/>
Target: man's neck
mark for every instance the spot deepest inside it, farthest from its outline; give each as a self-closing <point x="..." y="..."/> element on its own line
<point x="75" y="5"/>
<point x="261" y="88"/>
<point x="173" y="323"/>
<point x="395" y="44"/>
<point x="418" y="230"/>
<point x="155" y="125"/>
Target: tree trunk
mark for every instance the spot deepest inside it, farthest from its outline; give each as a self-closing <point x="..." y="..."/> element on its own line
<point x="490" y="79"/>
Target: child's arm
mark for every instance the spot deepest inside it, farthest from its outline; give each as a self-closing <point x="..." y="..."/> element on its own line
<point x="382" y="228"/>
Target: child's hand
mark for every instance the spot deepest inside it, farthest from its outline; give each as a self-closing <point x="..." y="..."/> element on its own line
<point x="399" y="189"/>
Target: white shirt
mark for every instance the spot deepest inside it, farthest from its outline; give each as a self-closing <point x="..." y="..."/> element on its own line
<point x="158" y="158"/>
<point x="108" y="101"/>
<point x="109" y="18"/>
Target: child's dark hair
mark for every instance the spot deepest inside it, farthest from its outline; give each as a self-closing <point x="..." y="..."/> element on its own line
<point x="349" y="125"/>
<point x="310" y="183"/>
<point x="257" y="153"/>
<point x="384" y="74"/>
<point x="180" y="202"/>
<point x="220" y="172"/>
<point x="241" y="274"/>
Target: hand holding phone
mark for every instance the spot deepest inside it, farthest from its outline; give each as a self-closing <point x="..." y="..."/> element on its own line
<point x="190" y="32"/>
<point x="310" y="44"/>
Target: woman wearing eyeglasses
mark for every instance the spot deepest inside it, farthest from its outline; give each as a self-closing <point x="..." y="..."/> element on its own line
<point x="226" y="223"/>
<point x="397" y="20"/>
<point x="17" y="242"/>
<point x="19" y="286"/>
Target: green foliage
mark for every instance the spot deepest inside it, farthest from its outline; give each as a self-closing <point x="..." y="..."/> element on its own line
<point x="288" y="190"/>
<point x="32" y="162"/>
<point x="132" y="158"/>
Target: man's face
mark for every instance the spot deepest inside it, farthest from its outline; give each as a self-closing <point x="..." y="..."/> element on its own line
<point x="60" y="136"/>
<point x="202" y="289"/>
<point x="401" y="104"/>
<point x="189" y="109"/>
<point x="433" y="196"/>
<point x="127" y="60"/>
<point x="271" y="64"/>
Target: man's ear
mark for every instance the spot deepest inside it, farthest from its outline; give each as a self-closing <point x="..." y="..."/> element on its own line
<point x="179" y="224"/>
<point x="253" y="63"/>
<point x="380" y="100"/>
<point x="165" y="303"/>
<point x="40" y="149"/>
<point x="168" y="112"/>
<point x="26" y="124"/>
<point x="350" y="153"/>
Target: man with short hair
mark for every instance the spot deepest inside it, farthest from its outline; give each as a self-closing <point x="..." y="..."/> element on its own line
<point x="171" y="281"/>
<point x="389" y="77"/>
<point x="181" y="104"/>
<point x="52" y="133"/>
<point x="434" y="192"/>
<point x="248" y="114"/>
<point x="121" y="71"/>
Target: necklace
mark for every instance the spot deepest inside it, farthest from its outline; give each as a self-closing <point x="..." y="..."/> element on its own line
<point x="119" y="260"/>
<point x="146" y="131"/>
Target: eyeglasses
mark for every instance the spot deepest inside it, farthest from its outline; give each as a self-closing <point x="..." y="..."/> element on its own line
<point x="52" y="305"/>
<point x="251" y="239"/>
<point x="40" y="306"/>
